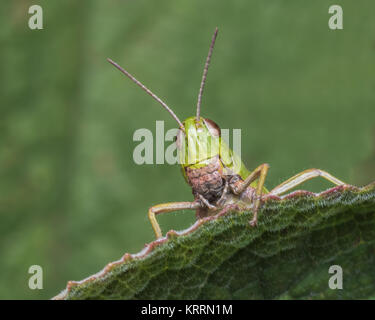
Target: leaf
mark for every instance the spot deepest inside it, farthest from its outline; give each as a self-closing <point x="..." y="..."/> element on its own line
<point x="286" y="257"/>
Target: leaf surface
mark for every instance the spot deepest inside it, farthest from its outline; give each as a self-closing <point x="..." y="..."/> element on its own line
<point x="287" y="256"/>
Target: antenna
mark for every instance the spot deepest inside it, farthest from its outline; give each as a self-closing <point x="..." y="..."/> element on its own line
<point x="148" y="91"/>
<point x="205" y="70"/>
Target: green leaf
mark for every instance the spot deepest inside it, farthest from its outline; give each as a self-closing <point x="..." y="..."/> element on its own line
<point x="286" y="257"/>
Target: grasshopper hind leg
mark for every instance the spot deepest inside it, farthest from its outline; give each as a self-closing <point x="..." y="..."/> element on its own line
<point x="301" y="177"/>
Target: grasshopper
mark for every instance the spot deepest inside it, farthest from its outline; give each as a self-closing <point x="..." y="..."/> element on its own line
<point x="219" y="180"/>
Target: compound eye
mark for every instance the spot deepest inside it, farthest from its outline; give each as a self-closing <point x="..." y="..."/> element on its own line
<point x="179" y="138"/>
<point x="213" y="128"/>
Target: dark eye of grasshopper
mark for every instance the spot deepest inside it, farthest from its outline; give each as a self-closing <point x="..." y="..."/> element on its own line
<point x="213" y="127"/>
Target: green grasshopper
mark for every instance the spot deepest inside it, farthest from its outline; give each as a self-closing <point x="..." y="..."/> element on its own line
<point x="220" y="181"/>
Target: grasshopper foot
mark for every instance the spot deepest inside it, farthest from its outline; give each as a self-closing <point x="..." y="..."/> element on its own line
<point x="205" y="202"/>
<point x="253" y="222"/>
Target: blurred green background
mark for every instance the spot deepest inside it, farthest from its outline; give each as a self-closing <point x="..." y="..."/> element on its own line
<point x="71" y="197"/>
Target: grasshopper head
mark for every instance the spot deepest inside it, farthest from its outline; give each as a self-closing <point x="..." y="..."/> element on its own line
<point x="198" y="141"/>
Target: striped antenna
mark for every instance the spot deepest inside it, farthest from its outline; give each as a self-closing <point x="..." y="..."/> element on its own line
<point x="205" y="70"/>
<point x="148" y="91"/>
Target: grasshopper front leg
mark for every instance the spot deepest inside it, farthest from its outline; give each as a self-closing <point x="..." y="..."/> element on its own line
<point x="259" y="173"/>
<point x="168" y="207"/>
